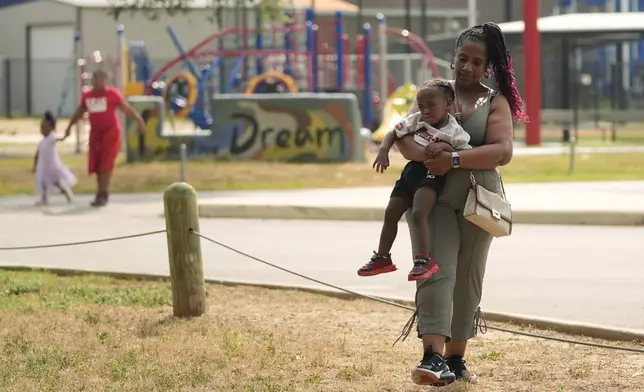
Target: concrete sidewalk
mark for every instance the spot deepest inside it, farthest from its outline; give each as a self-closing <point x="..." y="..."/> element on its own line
<point x="574" y="273"/>
<point x="582" y="203"/>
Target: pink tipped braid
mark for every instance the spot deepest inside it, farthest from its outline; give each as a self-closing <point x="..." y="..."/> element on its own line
<point x="507" y="85"/>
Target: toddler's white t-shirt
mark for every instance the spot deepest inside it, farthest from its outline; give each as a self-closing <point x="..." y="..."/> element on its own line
<point x="424" y="134"/>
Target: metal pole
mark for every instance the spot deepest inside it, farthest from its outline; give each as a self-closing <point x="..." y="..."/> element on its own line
<point x="339" y="31"/>
<point x="315" y="64"/>
<point x="7" y="74"/>
<point x="471" y="12"/>
<point x="182" y="162"/>
<point x="424" y="18"/>
<point x="571" y="161"/>
<point x="287" y="44"/>
<point x="259" y="40"/>
<point x="407" y="70"/>
<point x="121" y="76"/>
<point x="532" y="55"/>
<point x="382" y="41"/>
<point x="575" y="117"/>
<point x="310" y="48"/>
<point x="408" y="21"/>
<point x="567" y="88"/>
<point x="368" y="101"/>
<point x="79" y="86"/>
<point x="237" y="17"/>
<point x="182" y="51"/>
<point x="359" y="18"/>
<point x="244" y="12"/>
<point x="508" y="11"/>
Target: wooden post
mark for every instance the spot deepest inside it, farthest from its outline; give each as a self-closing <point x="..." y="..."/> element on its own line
<point x="184" y="250"/>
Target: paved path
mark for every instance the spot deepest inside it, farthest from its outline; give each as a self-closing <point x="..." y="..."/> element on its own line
<point x="590" y="203"/>
<point x="623" y="196"/>
<point x="519" y="148"/>
<point x="587" y="274"/>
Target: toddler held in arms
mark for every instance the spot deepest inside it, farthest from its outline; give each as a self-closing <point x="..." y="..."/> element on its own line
<point x="437" y="130"/>
<point x="50" y="171"/>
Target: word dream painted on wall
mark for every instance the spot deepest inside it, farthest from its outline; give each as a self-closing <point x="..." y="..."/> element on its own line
<point x="289" y="128"/>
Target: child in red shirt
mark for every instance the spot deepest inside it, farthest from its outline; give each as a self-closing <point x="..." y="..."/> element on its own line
<point x="101" y="103"/>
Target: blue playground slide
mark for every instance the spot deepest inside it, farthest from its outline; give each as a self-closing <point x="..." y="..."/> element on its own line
<point x="143" y="66"/>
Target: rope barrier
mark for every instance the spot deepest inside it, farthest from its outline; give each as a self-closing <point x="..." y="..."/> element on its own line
<point x="365" y="296"/>
<point x="401" y="306"/>
<point x="125" y="237"/>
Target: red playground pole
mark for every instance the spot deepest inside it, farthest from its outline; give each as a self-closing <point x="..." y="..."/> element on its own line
<point x="532" y="60"/>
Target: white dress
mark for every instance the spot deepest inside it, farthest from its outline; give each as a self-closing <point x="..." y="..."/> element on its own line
<point x="50" y="170"/>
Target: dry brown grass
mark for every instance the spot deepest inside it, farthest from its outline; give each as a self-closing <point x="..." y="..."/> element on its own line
<point x="100" y="334"/>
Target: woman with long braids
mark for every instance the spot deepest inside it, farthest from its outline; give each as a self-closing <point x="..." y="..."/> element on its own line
<point x="447" y="304"/>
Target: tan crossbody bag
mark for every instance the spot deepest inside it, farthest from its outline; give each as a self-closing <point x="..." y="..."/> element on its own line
<point x="488" y="210"/>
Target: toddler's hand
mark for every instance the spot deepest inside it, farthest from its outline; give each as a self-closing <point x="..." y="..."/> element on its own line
<point x="382" y="162"/>
<point x="436" y="148"/>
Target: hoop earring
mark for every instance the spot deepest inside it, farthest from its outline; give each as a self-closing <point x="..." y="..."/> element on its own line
<point x="488" y="72"/>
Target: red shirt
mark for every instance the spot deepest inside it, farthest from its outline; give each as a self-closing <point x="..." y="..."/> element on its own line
<point x="101" y="106"/>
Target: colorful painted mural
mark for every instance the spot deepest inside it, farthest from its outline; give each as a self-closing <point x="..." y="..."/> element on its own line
<point x="290" y="128"/>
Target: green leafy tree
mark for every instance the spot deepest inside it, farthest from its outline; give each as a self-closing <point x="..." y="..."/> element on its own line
<point x="271" y="10"/>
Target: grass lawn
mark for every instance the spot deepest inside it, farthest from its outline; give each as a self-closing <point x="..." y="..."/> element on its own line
<point x="101" y="334"/>
<point x="627" y="134"/>
<point x="16" y="176"/>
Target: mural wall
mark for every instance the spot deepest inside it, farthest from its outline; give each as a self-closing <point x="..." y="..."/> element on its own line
<point x="290" y="128"/>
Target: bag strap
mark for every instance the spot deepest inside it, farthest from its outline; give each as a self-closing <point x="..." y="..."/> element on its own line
<point x="473" y="182"/>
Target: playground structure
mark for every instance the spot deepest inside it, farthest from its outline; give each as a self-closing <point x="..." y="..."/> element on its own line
<point x="301" y="55"/>
<point x="395" y="110"/>
<point x="304" y="127"/>
<point x="298" y="60"/>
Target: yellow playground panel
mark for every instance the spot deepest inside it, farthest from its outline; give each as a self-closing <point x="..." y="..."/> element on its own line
<point x="287" y="82"/>
<point x="131" y="87"/>
<point x="396" y="108"/>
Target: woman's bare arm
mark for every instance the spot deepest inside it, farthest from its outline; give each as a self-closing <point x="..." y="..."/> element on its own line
<point x="498" y="148"/>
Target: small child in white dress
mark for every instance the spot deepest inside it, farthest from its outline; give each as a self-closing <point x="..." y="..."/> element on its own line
<point x="437" y="130"/>
<point x="50" y="171"/>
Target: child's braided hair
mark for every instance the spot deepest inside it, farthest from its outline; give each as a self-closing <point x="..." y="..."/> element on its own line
<point x="443" y="85"/>
<point x="498" y="61"/>
<point x="50" y="119"/>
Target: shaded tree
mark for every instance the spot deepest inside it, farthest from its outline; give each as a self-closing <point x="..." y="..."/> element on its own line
<point x="152" y="9"/>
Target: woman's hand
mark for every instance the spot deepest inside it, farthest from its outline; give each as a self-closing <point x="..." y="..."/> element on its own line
<point x="440" y="164"/>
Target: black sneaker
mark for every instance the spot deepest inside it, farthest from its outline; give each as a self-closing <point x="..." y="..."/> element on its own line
<point x="457" y="366"/>
<point x="98" y="203"/>
<point x="433" y="370"/>
<point x="100" y="200"/>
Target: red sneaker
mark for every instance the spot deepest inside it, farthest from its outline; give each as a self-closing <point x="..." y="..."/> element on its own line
<point x="379" y="264"/>
<point x="424" y="268"/>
